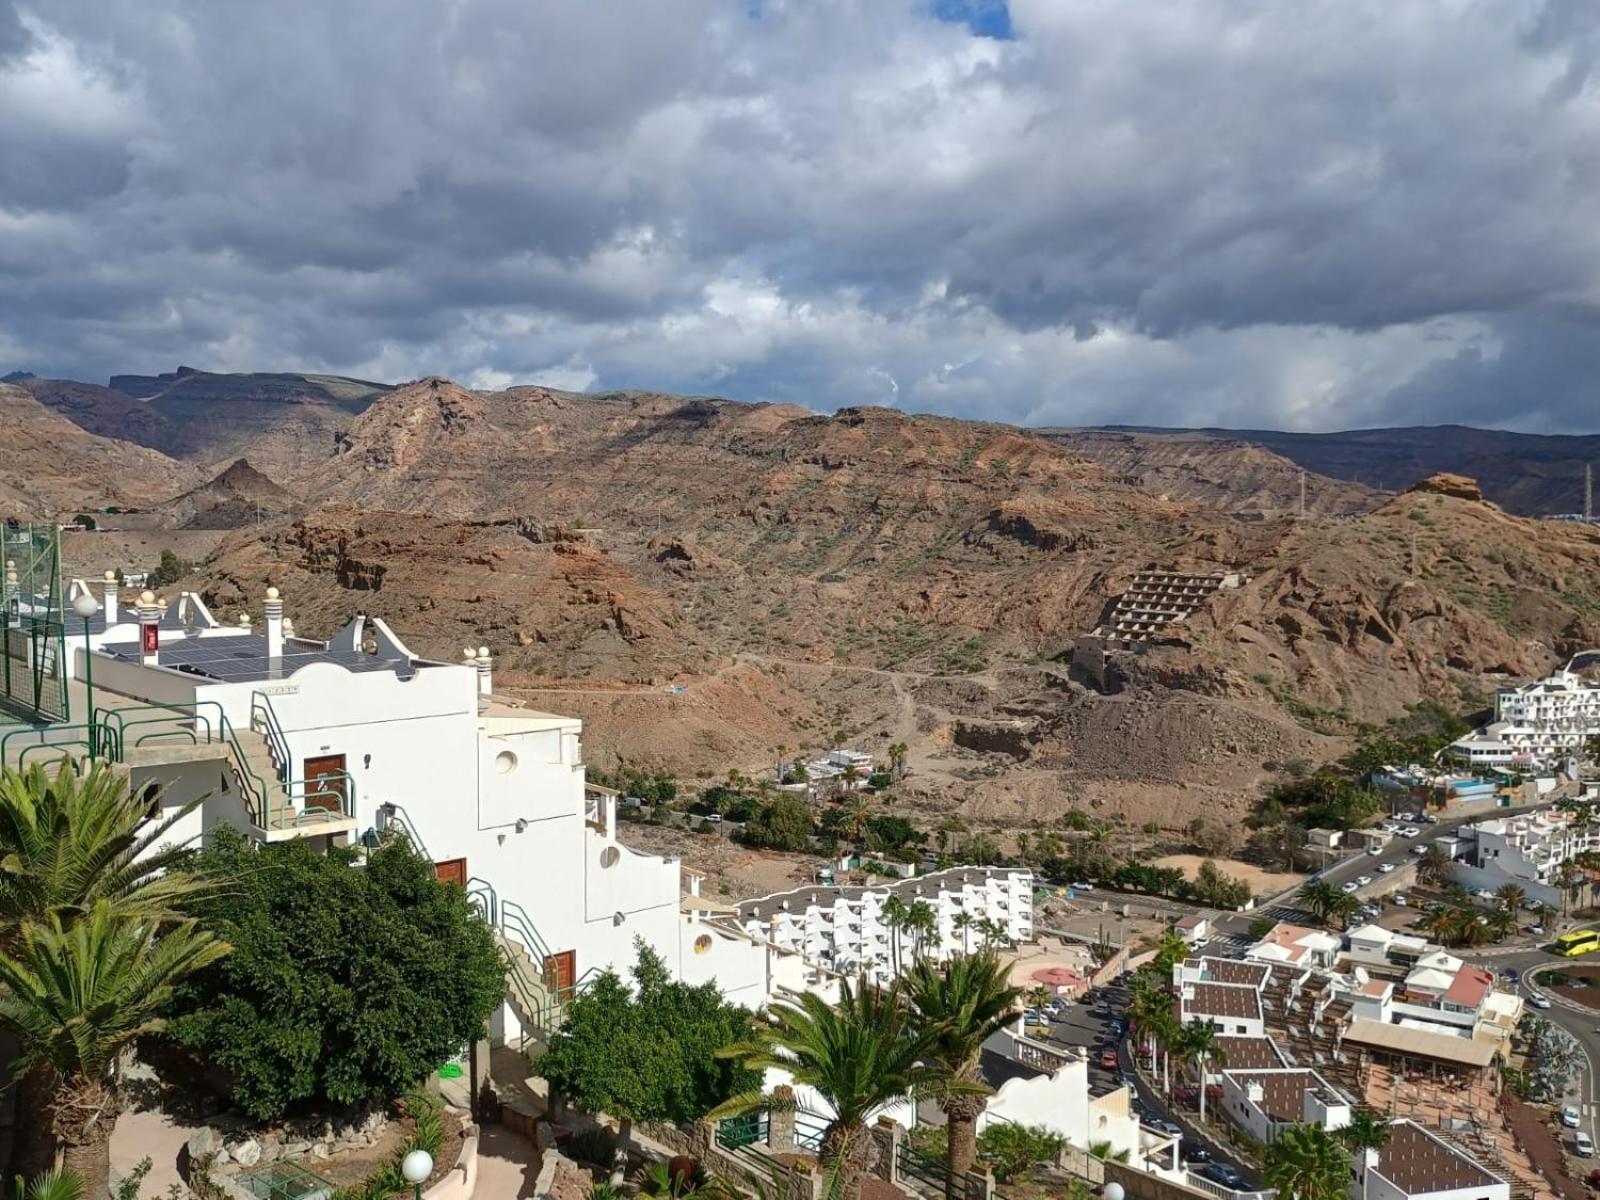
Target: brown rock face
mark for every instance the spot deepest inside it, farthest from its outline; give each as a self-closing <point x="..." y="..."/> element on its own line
<point x="1445" y="484"/>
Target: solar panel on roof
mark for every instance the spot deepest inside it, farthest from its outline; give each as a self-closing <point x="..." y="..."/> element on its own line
<point x="242" y="658"/>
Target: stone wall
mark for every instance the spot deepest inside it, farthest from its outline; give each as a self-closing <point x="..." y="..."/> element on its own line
<point x="235" y="1148"/>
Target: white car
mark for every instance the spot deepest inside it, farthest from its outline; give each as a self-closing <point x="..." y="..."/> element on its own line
<point x="1410" y="831"/>
<point x="1081" y="887"/>
<point x="1405" y="816"/>
<point x="1431" y="818"/>
<point x="1347" y="888"/>
<point x="1539" y="1001"/>
<point x="1385" y="868"/>
<point x="1419" y="851"/>
<point x="1582" y="1145"/>
<point x="1570" y="1117"/>
<point x="1374" y="850"/>
<point x="1363" y="880"/>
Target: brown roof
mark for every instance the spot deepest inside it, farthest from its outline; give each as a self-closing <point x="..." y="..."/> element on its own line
<point x="1283" y="1092"/>
<point x="1222" y="1000"/>
<point x="1250" y="1053"/>
<point x="1227" y="970"/>
<point x="1415" y="1162"/>
<point x="1419" y="1043"/>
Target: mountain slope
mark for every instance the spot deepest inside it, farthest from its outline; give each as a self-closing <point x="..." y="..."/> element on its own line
<point x="52" y="467"/>
<point x="1225" y="472"/>
<point x="239" y="496"/>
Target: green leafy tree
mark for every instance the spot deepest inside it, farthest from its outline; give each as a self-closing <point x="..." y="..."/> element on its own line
<point x="1011" y="1148"/>
<point x="1318" y="896"/>
<point x="1366" y="1131"/>
<point x="1307" y="1163"/>
<point x="170" y="569"/>
<point x="648" y="1054"/>
<point x="1344" y="907"/>
<point x="957" y="1006"/>
<point x="1433" y="866"/>
<point x="784" y="824"/>
<point x="859" y="1057"/>
<point x="345" y="985"/>
<point x="75" y="997"/>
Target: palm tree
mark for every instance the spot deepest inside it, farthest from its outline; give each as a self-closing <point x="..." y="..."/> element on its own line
<point x="1433" y="866"/>
<point x="958" y="1006"/>
<point x="1569" y="877"/>
<point x="1366" y="1131"/>
<point x="1502" y="921"/>
<point x="1512" y="895"/>
<point x="1198" y="1045"/>
<point x="67" y="841"/>
<point x="1022" y="846"/>
<point x="897" y="759"/>
<point x="75" y="997"/>
<point x="923" y="923"/>
<point x="1318" y="897"/>
<point x="1150" y="1009"/>
<point x="856" y="819"/>
<point x="1342" y="908"/>
<point x="49" y="1185"/>
<point x="859" y="1057"/>
<point x="963" y="923"/>
<point x="1307" y="1163"/>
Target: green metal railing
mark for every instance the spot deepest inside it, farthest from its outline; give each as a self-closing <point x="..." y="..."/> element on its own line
<point x="33" y="643"/>
<point x="261" y="711"/>
<point x="60" y="738"/>
<point x="547" y="1012"/>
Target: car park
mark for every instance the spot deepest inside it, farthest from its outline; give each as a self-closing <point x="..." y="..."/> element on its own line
<point x="1570" y="1117"/>
<point x="1385" y="868"/>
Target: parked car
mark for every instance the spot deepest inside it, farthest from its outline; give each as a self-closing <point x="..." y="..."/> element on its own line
<point x="1539" y="1001"/>
<point x="1081" y="887"/>
<point x="1405" y="816"/>
<point x="1537" y="930"/>
<point x="1191" y="1150"/>
<point x="1582" y="1145"/>
<point x="1410" y="831"/>
<point x="1385" y="868"/>
<point x="1375" y="850"/>
<point x="1033" y="1016"/>
<point x="1347" y="888"/>
<point x="1398" y="901"/>
<point x="1056" y="1008"/>
<point x="1363" y="880"/>
<point x="1108" y="1059"/>
<point x="1419" y="851"/>
<point x="1222" y="1173"/>
<point x="1431" y="818"/>
<point x="1571" y="1117"/>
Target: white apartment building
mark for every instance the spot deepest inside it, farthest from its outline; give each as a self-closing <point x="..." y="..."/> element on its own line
<point x="1265" y="1102"/>
<point x="1537" y="723"/>
<point x="845" y="930"/>
<point x="1417" y="1164"/>
<point x="1528" y="849"/>
<point x="346" y="740"/>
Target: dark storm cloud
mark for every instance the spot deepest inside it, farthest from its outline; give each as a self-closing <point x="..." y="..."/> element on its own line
<point x="1346" y="212"/>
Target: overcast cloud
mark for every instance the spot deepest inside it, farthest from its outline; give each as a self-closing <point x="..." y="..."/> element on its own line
<point x="1177" y="212"/>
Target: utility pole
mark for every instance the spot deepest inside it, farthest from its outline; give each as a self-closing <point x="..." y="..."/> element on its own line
<point x="1588" y="491"/>
<point x="1302" y="491"/>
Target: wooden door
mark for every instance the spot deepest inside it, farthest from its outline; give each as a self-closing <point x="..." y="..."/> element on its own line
<point x="451" y="870"/>
<point x="560" y="970"/>
<point x="325" y="783"/>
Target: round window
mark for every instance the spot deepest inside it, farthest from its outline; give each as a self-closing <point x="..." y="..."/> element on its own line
<point x="505" y="762"/>
<point x="610" y="856"/>
<point x="702" y="944"/>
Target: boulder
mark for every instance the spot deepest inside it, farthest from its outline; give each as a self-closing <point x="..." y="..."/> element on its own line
<point x="246" y="1153"/>
<point x="204" y="1143"/>
<point x="1443" y="483"/>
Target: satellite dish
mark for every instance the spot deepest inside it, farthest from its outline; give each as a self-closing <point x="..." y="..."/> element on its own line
<point x="1361" y="976"/>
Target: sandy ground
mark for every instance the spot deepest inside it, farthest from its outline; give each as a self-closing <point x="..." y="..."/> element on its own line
<point x="732" y="871"/>
<point x="1261" y="882"/>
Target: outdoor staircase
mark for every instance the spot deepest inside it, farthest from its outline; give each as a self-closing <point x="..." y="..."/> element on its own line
<point x="255" y="771"/>
<point x="530" y="999"/>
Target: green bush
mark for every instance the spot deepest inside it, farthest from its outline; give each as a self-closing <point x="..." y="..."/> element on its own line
<point x="596" y="1146"/>
<point x="1011" y="1149"/>
<point x="344" y="985"/>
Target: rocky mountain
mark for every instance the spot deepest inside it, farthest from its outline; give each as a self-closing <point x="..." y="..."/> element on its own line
<point x="1533" y="474"/>
<point x="239" y="496"/>
<point x="53" y="468"/>
<point x="1225" y="472"/>
<point x="283" y="422"/>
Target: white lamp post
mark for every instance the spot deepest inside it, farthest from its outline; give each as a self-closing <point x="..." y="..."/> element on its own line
<point x="416" y="1167"/>
<point x="85" y="605"/>
<point x="1112" y="1191"/>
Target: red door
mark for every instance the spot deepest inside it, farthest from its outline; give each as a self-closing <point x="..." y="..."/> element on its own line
<point x="560" y="970"/>
<point x="324" y="782"/>
<point x="451" y="870"/>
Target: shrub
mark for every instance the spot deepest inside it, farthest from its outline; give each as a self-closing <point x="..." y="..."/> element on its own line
<point x="596" y="1146"/>
<point x="1011" y="1149"/>
<point x="344" y="985"/>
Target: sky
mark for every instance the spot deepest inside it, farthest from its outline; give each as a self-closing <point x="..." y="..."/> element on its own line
<point x="1246" y="213"/>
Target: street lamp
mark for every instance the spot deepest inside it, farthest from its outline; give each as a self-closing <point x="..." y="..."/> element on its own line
<point x="1112" y="1191"/>
<point x="416" y="1167"/>
<point x="86" y="606"/>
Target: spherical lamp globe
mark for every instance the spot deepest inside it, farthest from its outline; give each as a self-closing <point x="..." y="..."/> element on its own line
<point x="1112" y="1191"/>
<point x="85" y="605"/>
<point x="416" y="1166"/>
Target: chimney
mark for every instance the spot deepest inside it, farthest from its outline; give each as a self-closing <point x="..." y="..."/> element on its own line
<point x="111" y="598"/>
<point x="485" y="672"/>
<point x="149" y="629"/>
<point x="274" y="613"/>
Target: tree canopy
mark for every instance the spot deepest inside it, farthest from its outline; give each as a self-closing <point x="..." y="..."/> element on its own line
<point x="784" y="824"/>
<point x="344" y="985"/>
<point x="649" y="1055"/>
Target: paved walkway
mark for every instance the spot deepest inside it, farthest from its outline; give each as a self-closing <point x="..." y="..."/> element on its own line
<point x="508" y="1165"/>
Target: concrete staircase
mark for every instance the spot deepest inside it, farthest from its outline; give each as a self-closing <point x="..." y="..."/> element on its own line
<point x="278" y="812"/>
<point x="535" y="1007"/>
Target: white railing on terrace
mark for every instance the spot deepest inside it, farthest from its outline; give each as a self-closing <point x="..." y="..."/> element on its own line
<point x="1216" y="1189"/>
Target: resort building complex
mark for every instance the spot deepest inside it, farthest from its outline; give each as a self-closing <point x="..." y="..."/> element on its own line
<point x="1541" y="724"/>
